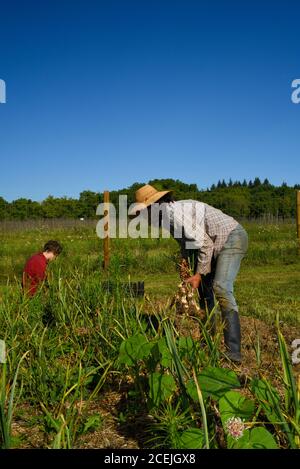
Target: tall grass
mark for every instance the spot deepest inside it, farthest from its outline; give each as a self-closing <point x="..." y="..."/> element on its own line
<point x="73" y="332"/>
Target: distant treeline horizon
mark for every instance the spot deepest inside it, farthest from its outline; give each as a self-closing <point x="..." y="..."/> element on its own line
<point x="247" y="199"/>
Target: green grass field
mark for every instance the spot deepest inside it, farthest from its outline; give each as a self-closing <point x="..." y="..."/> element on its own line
<point x="268" y="281"/>
<point x="65" y="346"/>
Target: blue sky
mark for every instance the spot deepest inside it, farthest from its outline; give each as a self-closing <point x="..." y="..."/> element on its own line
<point x="101" y="94"/>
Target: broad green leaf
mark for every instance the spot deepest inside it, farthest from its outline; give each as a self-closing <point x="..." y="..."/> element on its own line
<point x="257" y="438"/>
<point x="192" y="439"/>
<point x="233" y="404"/>
<point x="161" y="386"/>
<point x="214" y="382"/>
<point x="133" y="349"/>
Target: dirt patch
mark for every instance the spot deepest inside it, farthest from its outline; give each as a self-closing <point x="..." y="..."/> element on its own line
<point x="257" y="334"/>
<point x="109" y="436"/>
<point x="26" y="431"/>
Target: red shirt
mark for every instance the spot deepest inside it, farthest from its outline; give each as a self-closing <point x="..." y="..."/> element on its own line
<point x="34" y="273"/>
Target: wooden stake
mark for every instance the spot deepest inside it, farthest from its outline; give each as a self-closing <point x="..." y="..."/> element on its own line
<point x="106" y="229"/>
<point x="298" y="220"/>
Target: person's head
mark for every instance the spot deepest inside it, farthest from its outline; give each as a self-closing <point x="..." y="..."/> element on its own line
<point x="51" y="250"/>
<point x="146" y="196"/>
<point x="165" y="199"/>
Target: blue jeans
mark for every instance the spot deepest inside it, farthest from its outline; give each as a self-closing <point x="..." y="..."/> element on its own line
<point x="219" y="283"/>
<point x="227" y="267"/>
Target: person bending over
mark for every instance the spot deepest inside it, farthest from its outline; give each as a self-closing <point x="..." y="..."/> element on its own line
<point x="35" y="270"/>
<point x="219" y="242"/>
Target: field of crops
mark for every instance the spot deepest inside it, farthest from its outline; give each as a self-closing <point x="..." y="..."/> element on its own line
<point x="92" y="368"/>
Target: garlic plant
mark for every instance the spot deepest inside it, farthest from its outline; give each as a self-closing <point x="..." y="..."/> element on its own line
<point x="186" y="300"/>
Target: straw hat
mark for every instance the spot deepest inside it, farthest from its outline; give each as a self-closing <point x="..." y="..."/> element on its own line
<point x="146" y="196"/>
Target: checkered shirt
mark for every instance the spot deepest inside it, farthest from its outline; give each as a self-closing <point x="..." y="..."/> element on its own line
<point x="196" y="225"/>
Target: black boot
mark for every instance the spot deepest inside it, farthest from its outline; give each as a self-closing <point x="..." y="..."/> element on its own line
<point x="232" y="335"/>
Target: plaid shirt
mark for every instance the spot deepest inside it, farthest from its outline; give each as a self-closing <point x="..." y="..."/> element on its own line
<point x="196" y="225"/>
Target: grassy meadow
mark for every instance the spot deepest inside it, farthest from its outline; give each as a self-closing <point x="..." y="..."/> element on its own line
<point x="268" y="281"/>
<point x="88" y="368"/>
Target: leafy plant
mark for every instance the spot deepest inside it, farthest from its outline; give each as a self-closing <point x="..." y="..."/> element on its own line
<point x="257" y="438"/>
<point x="214" y="383"/>
<point x="161" y="388"/>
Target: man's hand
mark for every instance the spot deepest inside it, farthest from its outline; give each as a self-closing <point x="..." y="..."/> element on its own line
<point x="195" y="280"/>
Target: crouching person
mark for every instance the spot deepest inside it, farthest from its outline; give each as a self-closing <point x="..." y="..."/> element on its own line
<point x="35" y="270"/>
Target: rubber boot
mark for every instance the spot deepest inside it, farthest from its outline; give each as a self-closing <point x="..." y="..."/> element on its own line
<point x="232" y="335"/>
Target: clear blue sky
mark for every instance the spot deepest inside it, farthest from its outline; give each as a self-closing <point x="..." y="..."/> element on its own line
<point x="101" y="94"/>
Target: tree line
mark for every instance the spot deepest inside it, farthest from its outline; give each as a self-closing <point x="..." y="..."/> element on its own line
<point x="247" y="199"/>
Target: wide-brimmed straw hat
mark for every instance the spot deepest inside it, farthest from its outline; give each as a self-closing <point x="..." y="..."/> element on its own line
<point x="146" y="196"/>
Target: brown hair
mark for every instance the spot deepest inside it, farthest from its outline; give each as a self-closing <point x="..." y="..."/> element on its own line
<point x="53" y="246"/>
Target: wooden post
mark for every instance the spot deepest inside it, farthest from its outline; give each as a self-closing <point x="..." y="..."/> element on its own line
<point x="106" y="229"/>
<point x="298" y="220"/>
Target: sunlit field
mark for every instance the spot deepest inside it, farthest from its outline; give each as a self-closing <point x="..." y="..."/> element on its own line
<point x="92" y="368"/>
